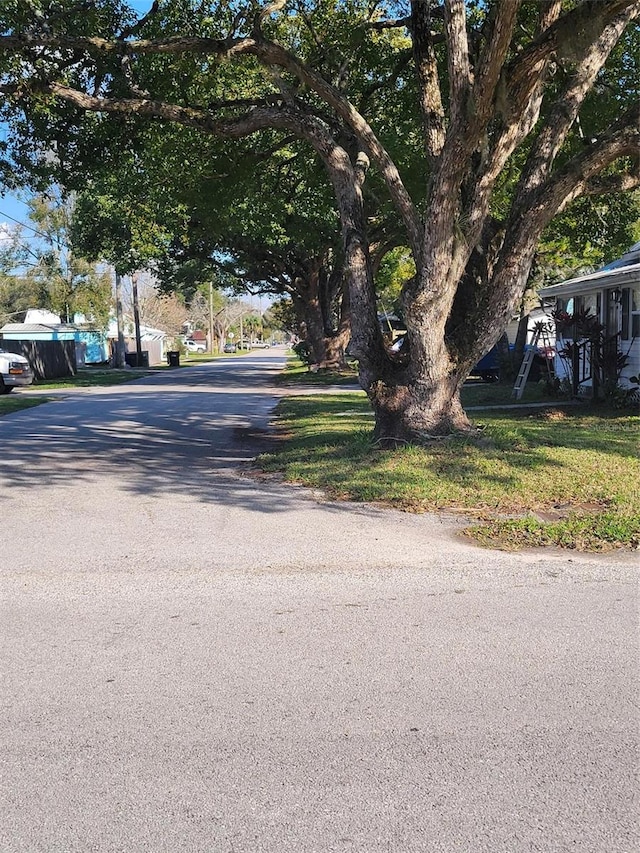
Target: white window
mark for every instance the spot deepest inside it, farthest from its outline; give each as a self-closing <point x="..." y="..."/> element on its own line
<point x="635" y="311"/>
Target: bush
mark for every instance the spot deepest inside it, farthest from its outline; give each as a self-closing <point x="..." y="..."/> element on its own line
<point x="303" y="351"/>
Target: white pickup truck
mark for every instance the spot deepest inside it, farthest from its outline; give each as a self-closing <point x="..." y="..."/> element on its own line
<point x="15" y="371"/>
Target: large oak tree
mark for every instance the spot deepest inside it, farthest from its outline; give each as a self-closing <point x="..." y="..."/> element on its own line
<point x="497" y="91"/>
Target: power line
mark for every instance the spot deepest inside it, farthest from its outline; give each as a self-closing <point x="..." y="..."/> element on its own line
<point x="24" y="225"/>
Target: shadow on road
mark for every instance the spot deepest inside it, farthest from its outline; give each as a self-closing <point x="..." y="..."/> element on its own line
<point x="188" y="432"/>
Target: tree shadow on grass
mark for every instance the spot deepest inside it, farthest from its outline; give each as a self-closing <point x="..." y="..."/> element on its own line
<point x="519" y="461"/>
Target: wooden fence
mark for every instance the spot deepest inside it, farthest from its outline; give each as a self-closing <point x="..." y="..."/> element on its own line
<point x="48" y="359"/>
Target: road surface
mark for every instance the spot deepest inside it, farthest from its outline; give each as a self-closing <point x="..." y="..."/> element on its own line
<point x="194" y="660"/>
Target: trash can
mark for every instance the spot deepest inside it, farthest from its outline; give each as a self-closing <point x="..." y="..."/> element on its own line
<point x="173" y="358"/>
<point x="131" y="358"/>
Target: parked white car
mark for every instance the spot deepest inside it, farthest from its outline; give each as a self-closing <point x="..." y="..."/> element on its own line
<point x="15" y="371"/>
<point x="195" y="346"/>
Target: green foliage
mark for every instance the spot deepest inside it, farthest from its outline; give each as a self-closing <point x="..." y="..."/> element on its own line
<point x="303" y="351"/>
<point x="396" y="269"/>
<point x="17" y="295"/>
<point x="65" y="282"/>
<point x="281" y="315"/>
<point x="592" y="232"/>
<point x="47" y="271"/>
<point x="18" y="292"/>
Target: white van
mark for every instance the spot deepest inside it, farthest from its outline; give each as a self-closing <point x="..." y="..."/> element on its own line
<point x="15" y="371"/>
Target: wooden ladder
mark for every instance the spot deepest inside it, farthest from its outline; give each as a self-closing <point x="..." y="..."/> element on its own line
<point x="540" y="332"/>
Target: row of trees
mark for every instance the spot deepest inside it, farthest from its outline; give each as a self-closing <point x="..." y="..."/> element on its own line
<point x="317" y="148"/>
<point x="41" y="265"/>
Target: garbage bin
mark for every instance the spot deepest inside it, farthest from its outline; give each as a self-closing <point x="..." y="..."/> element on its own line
<point x="173" y="358"/>
<point x="131" y="358"/>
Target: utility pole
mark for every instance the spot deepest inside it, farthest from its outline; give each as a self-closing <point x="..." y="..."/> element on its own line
<point x="120" y="359"/>
<point x="211" y="317"/>
<point x="136" y="318"/>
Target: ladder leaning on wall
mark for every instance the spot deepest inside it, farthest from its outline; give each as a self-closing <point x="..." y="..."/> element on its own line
<point x="540" y="335"/>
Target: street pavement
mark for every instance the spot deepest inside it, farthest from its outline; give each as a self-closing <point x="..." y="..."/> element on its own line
<point x="197" y="659"/>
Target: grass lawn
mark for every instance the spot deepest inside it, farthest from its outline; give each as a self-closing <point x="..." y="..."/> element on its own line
<point x="16" y="402"/>
<point x="86" y="377"/>
<point x="566" y="477"/>
<point x="476" y="392"/>
<point x="297" y="373"/>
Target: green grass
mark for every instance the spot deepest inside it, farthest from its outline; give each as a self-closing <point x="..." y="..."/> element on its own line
<point x="581" y="531"/>
<point x="475" y="391"/>
<point x="297" y="373"/>
<point x="87" y="377"/>
<point x="569" y="476"/>
<point x="14" y="403"/>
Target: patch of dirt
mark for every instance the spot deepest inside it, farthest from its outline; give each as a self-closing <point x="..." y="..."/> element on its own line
<point x="552" y="415"/>
<point x="560" y="511"/>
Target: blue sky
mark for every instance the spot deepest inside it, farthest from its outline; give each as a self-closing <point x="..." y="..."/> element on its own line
<point x="11" y="206"/>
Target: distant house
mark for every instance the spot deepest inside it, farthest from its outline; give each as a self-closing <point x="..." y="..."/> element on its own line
<point x="91" y="344"/>
<point x="154" y="341"/>
<point x="612" y="296"/>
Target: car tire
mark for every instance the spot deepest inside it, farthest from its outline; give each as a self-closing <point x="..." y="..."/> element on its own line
<point x="5" y="389"/>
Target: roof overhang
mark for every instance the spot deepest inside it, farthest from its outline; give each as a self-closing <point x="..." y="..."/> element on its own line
<point x="601" y="280"/>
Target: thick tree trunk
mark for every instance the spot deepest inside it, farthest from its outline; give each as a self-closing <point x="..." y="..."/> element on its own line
<point x="418" y="411"/>
<point x="313" y="307"/>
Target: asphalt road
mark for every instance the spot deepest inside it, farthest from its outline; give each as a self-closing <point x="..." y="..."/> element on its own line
<point x="194" y="660"/>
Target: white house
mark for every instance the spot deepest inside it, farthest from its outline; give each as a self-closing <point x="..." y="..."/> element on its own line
<point x="612" y="296"/>
<point x="154" y="341"/>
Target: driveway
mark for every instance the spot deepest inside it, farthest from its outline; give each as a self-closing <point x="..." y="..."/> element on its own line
<point x="193" y="660"/>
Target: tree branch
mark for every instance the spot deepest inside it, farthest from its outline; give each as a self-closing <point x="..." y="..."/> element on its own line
<point x="517" y="126"/>
<point x="580" y="176"/>
<point x="135" y="28"/>
<point x="550" y="139"/>
<point x="522" y="72"/>
<point x="428" y="79"/>
<point x="460" y="77"/>
<point x="270" y="54"/>
<point x="606" y="184"/>
<point x="489" y="69"/>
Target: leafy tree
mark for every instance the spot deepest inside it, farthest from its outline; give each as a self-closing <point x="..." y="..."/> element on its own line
<point x="17" y="292"/>
<point x="501" y="95"/>
<point x="67" y="283"/>
<point x="270" y="231"/>
<point x="47" y="272"/>
<point x="282" y="316"/>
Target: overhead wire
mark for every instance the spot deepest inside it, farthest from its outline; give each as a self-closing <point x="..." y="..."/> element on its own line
<point x="24" y="225"/>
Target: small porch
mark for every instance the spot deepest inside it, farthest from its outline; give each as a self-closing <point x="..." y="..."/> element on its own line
<point x="598" y="326"/>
